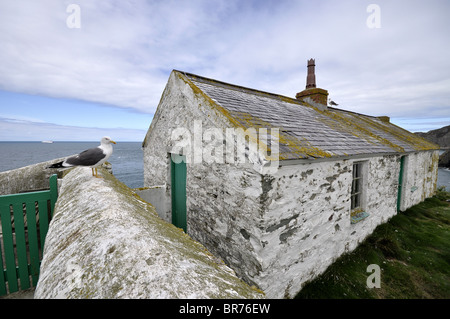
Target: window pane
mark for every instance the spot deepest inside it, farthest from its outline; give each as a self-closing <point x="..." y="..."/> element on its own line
<point x="356" y="186"/>
<point x="357" y="168"/>
<point x="357" y="201"/>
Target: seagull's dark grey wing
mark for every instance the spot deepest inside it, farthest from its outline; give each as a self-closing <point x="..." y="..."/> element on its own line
<point x="87" y="158"/>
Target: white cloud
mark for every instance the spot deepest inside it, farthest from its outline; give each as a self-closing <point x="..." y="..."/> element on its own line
<point x="42" y="55"/>
<point x="124" y="50"/>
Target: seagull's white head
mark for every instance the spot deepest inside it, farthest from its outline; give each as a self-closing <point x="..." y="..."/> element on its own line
<point x="107" y="140"/>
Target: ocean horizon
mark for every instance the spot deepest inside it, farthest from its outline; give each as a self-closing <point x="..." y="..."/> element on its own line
<point x="127" y="159"/>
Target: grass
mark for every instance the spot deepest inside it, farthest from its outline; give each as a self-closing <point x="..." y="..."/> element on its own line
<point x="412" y="250"/>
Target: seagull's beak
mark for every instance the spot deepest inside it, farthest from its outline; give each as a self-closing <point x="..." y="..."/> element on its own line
<point x="113" y="142"/>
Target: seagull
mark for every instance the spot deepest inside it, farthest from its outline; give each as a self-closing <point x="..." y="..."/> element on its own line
<point x="92" y="157"/>
<point x="333" y="103"/>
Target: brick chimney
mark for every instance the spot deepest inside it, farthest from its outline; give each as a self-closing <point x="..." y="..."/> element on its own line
<point x="311" y="92"/>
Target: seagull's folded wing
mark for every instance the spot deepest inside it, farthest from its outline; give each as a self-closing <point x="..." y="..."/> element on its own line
<point x="87" y="158"/>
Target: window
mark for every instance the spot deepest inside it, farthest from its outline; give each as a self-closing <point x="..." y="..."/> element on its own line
<point x="357" y="186"/>
<point x="359" y="173"/>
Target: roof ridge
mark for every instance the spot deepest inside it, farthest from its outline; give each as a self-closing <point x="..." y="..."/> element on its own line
<point x="260" y="92"/>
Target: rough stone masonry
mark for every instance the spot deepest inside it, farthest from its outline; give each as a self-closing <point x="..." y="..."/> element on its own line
<point x="105" y="242"/>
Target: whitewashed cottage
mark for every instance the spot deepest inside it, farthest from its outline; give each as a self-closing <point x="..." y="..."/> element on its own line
<point x="308" y="191"/>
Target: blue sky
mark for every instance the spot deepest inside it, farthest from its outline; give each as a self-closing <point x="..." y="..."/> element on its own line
<point x="107" y="76"/>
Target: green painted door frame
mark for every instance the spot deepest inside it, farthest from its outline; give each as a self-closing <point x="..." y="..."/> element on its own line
<point x="178" y="179"/>
<point x="400" y="182"/>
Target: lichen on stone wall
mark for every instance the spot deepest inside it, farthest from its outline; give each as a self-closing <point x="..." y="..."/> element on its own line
<point x="32" y="177"/>
<point x="105" y="242"/>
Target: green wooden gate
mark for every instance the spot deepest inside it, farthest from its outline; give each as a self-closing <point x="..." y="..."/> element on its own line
<point x="24" y="221"/>
<point x="178" y="179"/>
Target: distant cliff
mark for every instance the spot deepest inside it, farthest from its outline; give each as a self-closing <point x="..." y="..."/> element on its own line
<point x="440" y="136"/>
<point x="444" y="159"/>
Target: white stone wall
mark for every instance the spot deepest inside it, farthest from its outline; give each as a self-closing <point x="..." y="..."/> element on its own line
<point x="156" y="195"/>
<point x="307" y="223"/>
<point x="179" y="107"/>
<point x="420" y="177"/>
<point x="307" y="219"/>
<point x="279" y="231"/>
<point x="32" y="177"/>
<point x="223" y="200"/>
<point x="225" y="211"/>
<point x="306" y="215"/>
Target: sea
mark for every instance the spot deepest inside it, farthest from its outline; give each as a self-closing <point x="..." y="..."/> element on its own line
<point x="127" y="158"/>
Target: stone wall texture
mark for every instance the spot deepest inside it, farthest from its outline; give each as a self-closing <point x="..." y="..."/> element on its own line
<point x="106" y="242"/>
<point x="32" y="177"/>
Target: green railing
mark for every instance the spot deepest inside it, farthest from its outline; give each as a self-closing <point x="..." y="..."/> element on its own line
<point x="24" y="221"/>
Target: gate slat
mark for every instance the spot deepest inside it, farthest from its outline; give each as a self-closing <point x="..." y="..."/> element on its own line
<point x="8" y="245"/>
<point x="2" y="265"/>
<point x="2" y="274"/>
<point x="21" y="245"/>
<point x="33" y="241"/>
<point x="53" y="193"/>
<point x="43" y="220"/>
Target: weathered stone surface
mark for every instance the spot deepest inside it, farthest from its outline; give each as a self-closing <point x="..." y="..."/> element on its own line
<point x="105" y="242"/>
<point x="420" y="178"/>
<point x="27" y="178"/>
<point x="33" y="177"/>
<point x="307" y="224"/>
<point x="217" y="210"/>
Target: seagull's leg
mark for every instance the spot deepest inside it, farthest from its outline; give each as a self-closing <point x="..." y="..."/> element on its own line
<point x="96" y="173"/>
<point x="92" y="171"/>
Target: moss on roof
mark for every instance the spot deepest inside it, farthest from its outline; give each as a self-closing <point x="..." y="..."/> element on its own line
<point x="305" y="131"/>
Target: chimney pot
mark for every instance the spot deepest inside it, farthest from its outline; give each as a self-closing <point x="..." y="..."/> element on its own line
<point x="311" y="77"/>
<point x="311" y="92"/>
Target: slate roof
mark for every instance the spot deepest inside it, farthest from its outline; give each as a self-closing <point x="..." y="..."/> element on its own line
<point x="306" y="131"/>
